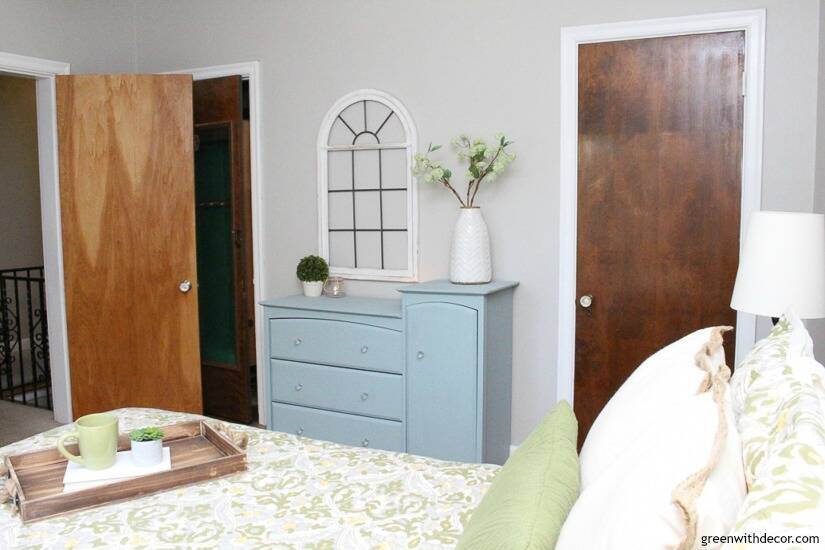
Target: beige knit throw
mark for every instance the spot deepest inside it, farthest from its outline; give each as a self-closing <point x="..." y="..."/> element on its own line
<point x="687" y="492"/>
<point x="705" y="354"/>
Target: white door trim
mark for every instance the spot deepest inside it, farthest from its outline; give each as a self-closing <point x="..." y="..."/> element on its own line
<point x="750" y="21"/>
<point x="44" y="71"/>
<point x="252" y="71"/>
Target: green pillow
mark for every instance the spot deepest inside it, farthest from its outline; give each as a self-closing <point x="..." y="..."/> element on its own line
<point x="531" y="495"/>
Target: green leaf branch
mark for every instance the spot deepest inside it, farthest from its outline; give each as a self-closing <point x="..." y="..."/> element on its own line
<point x="485" y="163"/>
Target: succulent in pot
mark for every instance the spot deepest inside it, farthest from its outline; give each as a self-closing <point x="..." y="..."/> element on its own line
<point x="312" y="272"/>
<point x="147" y="446"/>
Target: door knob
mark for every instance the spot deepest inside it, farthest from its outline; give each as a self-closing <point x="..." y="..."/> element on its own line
<point x="185" y="286"/>
<point x="586" y="301"/>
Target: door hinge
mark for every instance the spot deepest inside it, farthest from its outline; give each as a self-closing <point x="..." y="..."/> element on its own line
<point x="744" y="90"/>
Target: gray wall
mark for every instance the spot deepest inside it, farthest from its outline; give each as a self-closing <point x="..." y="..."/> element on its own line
<point x="475" y="66"/>
<point x="92" y="35"/>
<point x="20" y="240"/>
<point x="817" y="327"/>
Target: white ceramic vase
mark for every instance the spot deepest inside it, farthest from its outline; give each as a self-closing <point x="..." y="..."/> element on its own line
<point x="313" y="288"/>
<point x="147" y="453"/>
<point x="470" y="254"/>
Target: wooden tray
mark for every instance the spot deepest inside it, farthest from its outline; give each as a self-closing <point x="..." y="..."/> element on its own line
<point x="200" y="451"/>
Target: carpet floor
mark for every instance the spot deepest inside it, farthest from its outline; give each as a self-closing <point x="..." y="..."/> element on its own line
<point x="20" y="421"/>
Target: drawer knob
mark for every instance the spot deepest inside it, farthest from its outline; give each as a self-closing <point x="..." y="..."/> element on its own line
<point x="299" y="387"/>
<point x="420" y="355"/>
<point x="299" y="431"/>
<point x="365" y="349"/>
<point x="365" y="442"/>
<point x="297" y="341"/>
<point x="365" y="396"/>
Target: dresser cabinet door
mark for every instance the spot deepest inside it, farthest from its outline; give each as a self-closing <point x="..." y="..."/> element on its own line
<point x="442" y="381"/>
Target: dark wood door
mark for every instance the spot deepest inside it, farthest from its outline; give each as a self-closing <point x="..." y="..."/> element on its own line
<point x="224" y="249"/>
<point x="659" y="183"/>
<point x="128" y="225"/>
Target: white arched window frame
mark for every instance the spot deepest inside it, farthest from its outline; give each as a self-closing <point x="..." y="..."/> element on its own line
<point x="398" y="257"/>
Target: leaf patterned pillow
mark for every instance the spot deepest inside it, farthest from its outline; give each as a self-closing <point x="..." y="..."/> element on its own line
<point x="780" y="401"/>
<point x="759" y="384"/>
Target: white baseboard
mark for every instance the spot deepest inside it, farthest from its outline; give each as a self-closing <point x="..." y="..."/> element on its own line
<point x="513" y="449"/>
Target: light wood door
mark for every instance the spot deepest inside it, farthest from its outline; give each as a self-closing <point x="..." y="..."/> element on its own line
<point x="660" y="153"/>
<point x="128" y="216"/>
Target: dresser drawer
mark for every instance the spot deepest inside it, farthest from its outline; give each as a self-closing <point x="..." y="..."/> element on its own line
<point x="336" y="343"/>
<point x="346" y="429"/>
<point x="337" y="388"/>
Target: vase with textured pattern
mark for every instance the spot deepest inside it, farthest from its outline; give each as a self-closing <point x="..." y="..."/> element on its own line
<point x="470" y="253"/>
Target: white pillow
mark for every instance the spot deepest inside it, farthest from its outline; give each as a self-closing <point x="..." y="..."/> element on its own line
<point x="633" y="503"/>
<point x="663" y="381"/>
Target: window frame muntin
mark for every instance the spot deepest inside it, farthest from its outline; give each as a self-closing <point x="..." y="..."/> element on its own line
<point x="410" y="146"/>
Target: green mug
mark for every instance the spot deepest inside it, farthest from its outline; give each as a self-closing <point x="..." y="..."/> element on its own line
<point x="97" y="438"/>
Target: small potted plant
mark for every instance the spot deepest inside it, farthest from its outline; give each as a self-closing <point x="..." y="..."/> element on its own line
<point x="147" y="446"/>
<point x="312" y="272"/>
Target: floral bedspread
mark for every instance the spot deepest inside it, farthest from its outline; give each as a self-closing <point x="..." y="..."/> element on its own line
<point x="297" y="493"/>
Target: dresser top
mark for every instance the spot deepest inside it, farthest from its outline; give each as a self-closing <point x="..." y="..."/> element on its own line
<point x="353" y="305"/>
<point x="446" y="287"/>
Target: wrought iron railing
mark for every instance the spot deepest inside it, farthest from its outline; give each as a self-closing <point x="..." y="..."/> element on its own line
<point x="25" y="374"/>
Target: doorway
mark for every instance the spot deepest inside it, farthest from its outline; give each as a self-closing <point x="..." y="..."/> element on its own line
<point x="24" y="376"/>
<point x="249" y="72"/>
<point x="661" y="133"/>
<point x="24" y="351"/>
<point x="223" y="216"/>
<point x="43" y="72"/>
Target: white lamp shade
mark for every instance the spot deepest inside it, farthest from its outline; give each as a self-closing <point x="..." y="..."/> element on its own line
<point x="782" y="266"/>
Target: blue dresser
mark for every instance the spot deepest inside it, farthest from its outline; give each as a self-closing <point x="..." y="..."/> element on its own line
<point x="429" y="373"/>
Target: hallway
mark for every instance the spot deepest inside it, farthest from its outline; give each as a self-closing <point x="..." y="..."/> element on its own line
<point x="20" y="421"/>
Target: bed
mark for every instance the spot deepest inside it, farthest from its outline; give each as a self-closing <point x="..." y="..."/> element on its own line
<point x="298" y="493"/>
<point x="682" y="456"/>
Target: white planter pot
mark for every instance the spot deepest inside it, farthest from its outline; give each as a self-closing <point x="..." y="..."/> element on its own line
<point x="470" y="254"/>
<point x="147" y="453"/>
<point x="313" y="288"/>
